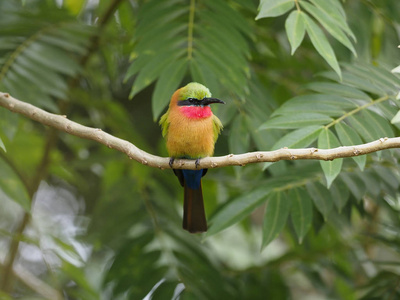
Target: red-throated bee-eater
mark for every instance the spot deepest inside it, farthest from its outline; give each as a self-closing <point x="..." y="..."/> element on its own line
<point x="191" y="130"/>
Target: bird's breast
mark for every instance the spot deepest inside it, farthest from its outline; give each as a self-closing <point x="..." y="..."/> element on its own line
<point x="190" y="136"/>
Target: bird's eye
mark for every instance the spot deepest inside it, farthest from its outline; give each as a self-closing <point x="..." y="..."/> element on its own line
<point x="190" y="99"/>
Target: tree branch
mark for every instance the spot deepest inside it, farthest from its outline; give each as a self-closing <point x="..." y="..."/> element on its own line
<point x="63" y="124"/>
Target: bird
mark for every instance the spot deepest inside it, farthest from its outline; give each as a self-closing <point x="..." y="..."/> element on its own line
<point x="191" y="131"/>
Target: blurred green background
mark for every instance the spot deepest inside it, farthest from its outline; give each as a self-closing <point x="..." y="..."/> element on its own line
<point x="81" y="221"/>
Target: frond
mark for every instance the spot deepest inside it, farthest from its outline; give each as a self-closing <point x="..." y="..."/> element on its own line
<point x="39" y="51"/>
<point x="208" y="39"/>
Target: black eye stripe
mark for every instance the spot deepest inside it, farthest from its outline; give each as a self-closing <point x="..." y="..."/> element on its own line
<point x="190" y="101"/>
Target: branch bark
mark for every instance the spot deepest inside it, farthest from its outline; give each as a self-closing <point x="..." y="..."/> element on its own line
<point x="63" y="124"/>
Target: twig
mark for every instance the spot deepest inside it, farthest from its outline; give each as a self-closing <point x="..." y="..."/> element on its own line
<point x="63" y="124"/>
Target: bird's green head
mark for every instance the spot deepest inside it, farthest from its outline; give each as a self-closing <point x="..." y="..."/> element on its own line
<point x="196" y="94"/>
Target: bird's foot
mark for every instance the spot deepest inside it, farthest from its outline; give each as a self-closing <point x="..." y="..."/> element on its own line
<point x="171" y="161"/>
<point x="197" y="162"/>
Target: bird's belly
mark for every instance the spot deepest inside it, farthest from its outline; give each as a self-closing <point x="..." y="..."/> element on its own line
<point x="191" y="138"/>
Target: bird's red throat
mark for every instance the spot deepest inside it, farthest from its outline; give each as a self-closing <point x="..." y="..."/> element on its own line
<point x="196" y="112"/>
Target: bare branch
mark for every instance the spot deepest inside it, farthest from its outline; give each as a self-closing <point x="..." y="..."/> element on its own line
<point x="63" y="124"/>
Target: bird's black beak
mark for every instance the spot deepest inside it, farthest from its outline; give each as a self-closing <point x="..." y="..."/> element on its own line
<point x="207" y="101"/>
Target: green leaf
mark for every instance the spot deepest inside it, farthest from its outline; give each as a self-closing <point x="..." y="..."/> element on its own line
<point x="355" y="185"/>
<point x="237" y="209"/>
<point x="301" y="212"/>
<point x="322" y="198"/>
<point x="299" y="138"/>
<point x="294" y="121"/>
<point x="203" y="75"/>
<point x="2" y="146"/>
<point x="326" y="99"/>
<point x="240" y="136"/>
<point x="388" y="175"/>
<point x="327" y="140"/>
<point x="295" y="29"/>
<point x="383" y="78"/>
<point x="167" y="83"/>
<point x="52" y="58"/>
<point x="319" y="107"/>
<point x="379" y="123"/>
<point x="338" y="90"/>
<point x="13" y="187"/>
<point x="335" y="10"/>
<point x="396" y="118"/>
<point x="321" y="44"/>
<point x="361" y="79"/>
<point x="329" y="24"/>
<point x="370" y="126"/>
<point x="274" y="8"/>
<point x="8" y="123"/>
<point x="363" y="127"/>
<point x="340" y="195"/>
<point x="277" y="209"/>
<point x="349" y="137"/>
<point x="152" y="70"/>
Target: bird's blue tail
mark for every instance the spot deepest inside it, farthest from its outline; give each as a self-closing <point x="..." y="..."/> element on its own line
<point x="193" y="178"/>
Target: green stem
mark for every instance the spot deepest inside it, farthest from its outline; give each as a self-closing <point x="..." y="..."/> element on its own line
<point x="356" y="110"/>
<point x="190" y="28"/>
<point x="297" y="5"/>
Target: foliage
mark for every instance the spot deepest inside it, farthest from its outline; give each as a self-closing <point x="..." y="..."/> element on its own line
<point x="88" y="223"/>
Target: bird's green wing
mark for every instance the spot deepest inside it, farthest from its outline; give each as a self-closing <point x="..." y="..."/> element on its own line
<point x="217" y="127"/>
<point x="164" y="123"/>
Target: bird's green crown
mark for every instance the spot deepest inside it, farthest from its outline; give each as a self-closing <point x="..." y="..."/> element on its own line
<point x="194" y="90"/>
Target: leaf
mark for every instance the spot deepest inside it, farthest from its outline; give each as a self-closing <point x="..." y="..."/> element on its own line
<point x="237" y="209"/>
<point x="327" y="140"/>
<point x="2" y="146"/>
<point x="295" y="29"/>
<point x="396" y="118"/>
<point x="361" y="79"/>
<point x="301" y="212"/>
<point x="321" y="44"/>
<point x="335" y="10"/>
<point x="322" y="198"/>
<point x="340" y="195"/>
<point x="299" y="138"/>
<point x="239" y="137"/>
<point x="167" y="83"/>
<point x="274" y="8"/>
<point x="329" y="24"/>
<point x="292" y="121"/>
<point x="277" y="209"/>
<point x="383" y="78"/>
<point x="13" y="187"/>
<point x="387" y="174"/>
<point x="326" y="99"/>
<point x="380" y="124"/>
<point x="363" y="127"/>
<point x="338" y="90"/>
<point x="8" y="123"/>
<point x="355" y="185"/>
<point x="152" y="70"/>
<point x="349" y="137"/>
<point x="318" y="107"/>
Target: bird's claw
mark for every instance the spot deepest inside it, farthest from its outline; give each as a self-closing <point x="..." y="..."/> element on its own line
<point x="171" y="161"/>
<point x="197" y="162"/>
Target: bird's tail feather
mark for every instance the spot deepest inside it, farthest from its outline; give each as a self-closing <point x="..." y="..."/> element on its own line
<point x="194" y="217"/>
